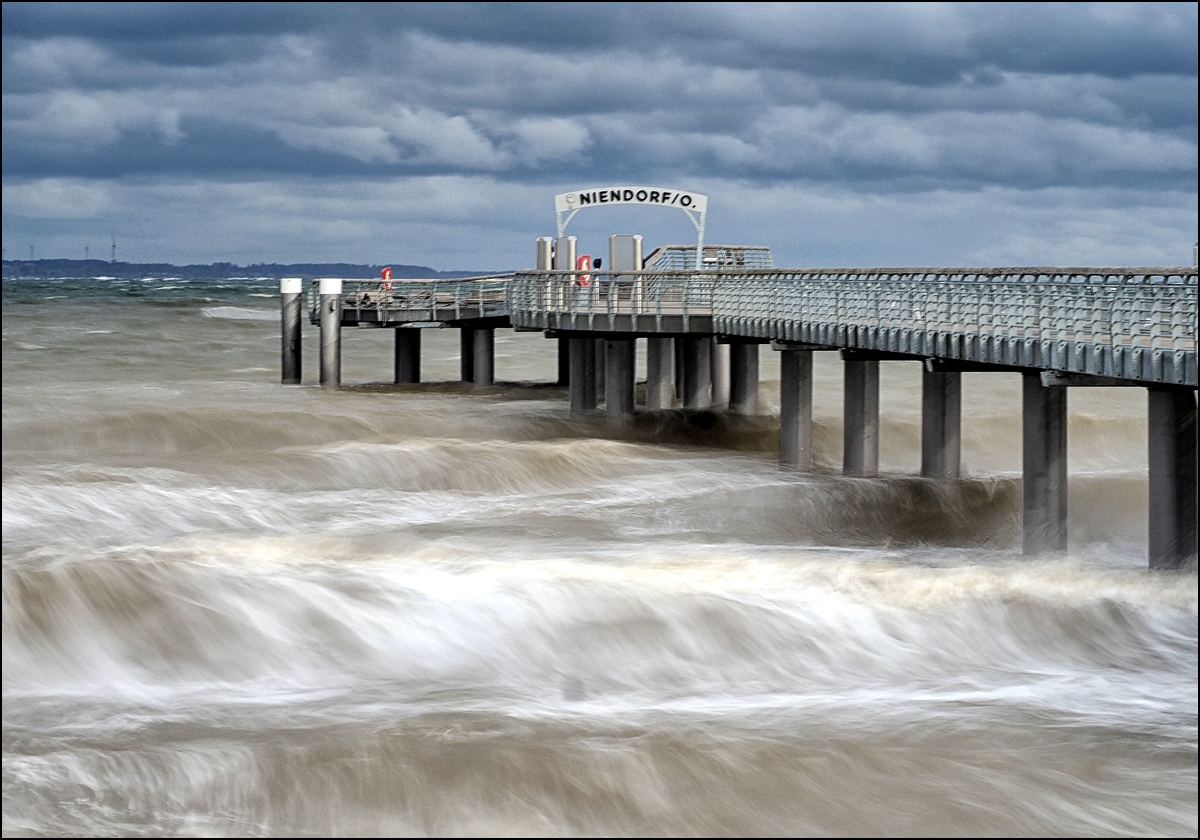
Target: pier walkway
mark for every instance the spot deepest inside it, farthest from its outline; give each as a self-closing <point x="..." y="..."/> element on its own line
<point x="1057" y="327"/>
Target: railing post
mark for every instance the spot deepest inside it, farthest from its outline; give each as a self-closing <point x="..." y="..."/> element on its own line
<point x="331" y="332"/>
<point x="1172" y="433"/>
<point x="1044" y="473"/>
<point x="291" y="307"/>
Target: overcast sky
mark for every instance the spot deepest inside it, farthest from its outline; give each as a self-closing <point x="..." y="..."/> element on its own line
<point x="438" y="133"/>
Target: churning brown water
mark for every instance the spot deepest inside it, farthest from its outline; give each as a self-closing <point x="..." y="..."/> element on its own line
<point x="233" y="608"/>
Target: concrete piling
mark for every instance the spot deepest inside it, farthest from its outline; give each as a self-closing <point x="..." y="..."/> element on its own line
<point x="619" y="383"/>
<point x="1172" y="431"/>
<point x="860" y="429"/>
<point x="330" y="301"/>
<point x="583" y="376"/>
<point x="719" y="368"/>
<point x="941" y="424"/>
<point x="406" y="365"/>
<point x="743" y="377"/>
<point x="466" y="354"/>
<point x="795" y="409"/>
<point x="1044" y="470"/>
<point x="660" y="357"/>
<point x="485" y="356"/>
<point x="291" y="308"/>
<point x="697" y="372"/>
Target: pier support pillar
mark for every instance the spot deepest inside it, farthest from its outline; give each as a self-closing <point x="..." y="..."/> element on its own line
<point x="583" y="375"/>
<point x="619" y="383"/>
<point x="743" y="377"/>
<point x="291" y="304"/>
<point x="564" y="361"/>
<point x="720" y="374"/>
<point x="678" y="344"/>
<point x="485" y="355"/>
<point x="407" y="362"/>
<point x="1172" y="430"/>
<point x="860" y="429"/>
<point x="697" y="371"/>
<point x="466" y="354"/>
<point x="1044" y="456"/>
<point x="660" y="356"/>
<point x="795" y="409"/>
<point x="331" y="332"/>
<point x="941" y="424"/>
<point x="601" y="367"/>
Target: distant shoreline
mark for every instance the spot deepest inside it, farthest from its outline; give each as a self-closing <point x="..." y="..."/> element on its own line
<point x="86" y="269"/>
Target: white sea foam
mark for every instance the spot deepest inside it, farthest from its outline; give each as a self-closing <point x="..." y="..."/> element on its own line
<point x="239" y="313"/>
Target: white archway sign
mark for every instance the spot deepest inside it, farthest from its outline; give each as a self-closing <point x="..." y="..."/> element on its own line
<point x="695" y="205"/>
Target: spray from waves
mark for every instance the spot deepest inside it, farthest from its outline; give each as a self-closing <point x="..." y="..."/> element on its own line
<point x="240" y="313"/>
<point x="734" y="630"/>
<point x="489" y="774"/>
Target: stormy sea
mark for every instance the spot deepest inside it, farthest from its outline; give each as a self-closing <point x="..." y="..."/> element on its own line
<point x="237" y="608"/>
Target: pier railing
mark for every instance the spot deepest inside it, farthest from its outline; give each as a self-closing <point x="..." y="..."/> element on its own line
<point x="1129" y="323"/>
<point x="400" y="301"/>
<point x="626" y="301"/>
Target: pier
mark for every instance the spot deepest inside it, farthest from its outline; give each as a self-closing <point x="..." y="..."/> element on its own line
<point x="1059" y="328"/>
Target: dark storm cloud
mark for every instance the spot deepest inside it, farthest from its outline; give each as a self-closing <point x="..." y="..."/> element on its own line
<point x="872" y="99"/>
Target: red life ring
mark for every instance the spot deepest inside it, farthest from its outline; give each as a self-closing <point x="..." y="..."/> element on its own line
<point x="386" y="285"/>
<point x="387" y="273"/>
<point x="583" y="263"/>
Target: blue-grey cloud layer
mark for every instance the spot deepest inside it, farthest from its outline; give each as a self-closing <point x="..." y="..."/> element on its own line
<point x="856" y="99"/>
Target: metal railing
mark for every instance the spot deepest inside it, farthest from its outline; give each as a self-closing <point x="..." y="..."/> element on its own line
<point x="1131" y="323"/>
<point x="376" y="301"/>
<point x="631" y="300"/>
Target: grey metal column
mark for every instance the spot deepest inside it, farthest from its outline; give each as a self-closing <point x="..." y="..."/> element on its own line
<point x="795" y="409"/>
<point x="564" y="253"/>
<point x="743" y="377"/>
<point x="601" y="366"/>
<point x="719" y="367"/>
<point x="619" y="383"/>
<point x="545" y="262"/>
<point x="1172" y="432"/>
<point x="466" y="353"/>
<point x="583" y="376"/>
<point x="941" y="424"/>
<point x="485" y="355"/>
<point x="331" y="332"/>
<point x="1044" y="456"/>
<point x="407" y="362"/>
<point x="697" y="371"/>
<point x="564" y="361"/>
<point x="291" y="300"/>
<point x="860" y="429"/>
<point x="680" y="367"/>
<point x="660" y="355"/>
